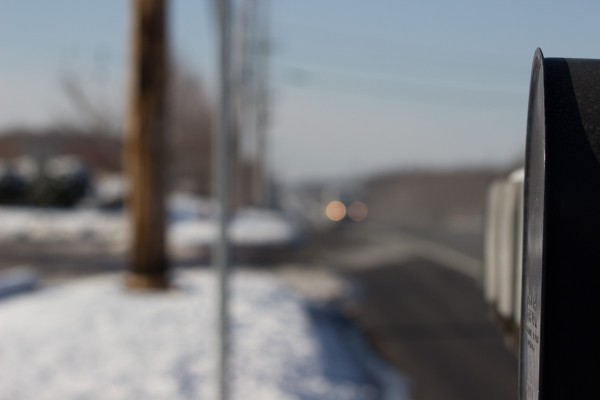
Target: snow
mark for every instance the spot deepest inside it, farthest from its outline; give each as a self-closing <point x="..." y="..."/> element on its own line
<point x="93" y="340"/>
<point x="190" y="225"/>
<point x="55" y="225"/>
<point x="258" y="227"/>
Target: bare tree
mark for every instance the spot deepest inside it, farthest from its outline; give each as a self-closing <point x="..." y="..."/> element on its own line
<point x="190" y="126"/>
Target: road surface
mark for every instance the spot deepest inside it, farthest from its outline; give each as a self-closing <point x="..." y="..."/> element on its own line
<point x="420" y="306"/>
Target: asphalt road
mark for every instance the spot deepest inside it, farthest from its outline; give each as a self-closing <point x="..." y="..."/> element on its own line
<point x="420" y="306"/>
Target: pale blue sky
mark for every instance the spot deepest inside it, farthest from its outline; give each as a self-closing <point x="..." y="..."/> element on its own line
<point x="358" y="86"/>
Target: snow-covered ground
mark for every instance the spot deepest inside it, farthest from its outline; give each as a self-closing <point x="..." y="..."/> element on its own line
<point x="190" y="225"/>
<point x="93" y="340"/>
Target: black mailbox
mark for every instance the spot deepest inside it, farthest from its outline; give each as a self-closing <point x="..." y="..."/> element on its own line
<point x="561" y="290"/>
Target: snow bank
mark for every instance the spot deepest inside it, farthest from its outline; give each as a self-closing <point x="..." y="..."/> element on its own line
<point x="55" y="225"/>
<point x="93" y="340"/>
<point x="189" y="226"/>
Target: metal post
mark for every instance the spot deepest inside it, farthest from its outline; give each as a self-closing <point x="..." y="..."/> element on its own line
<point x="221" y="190"/>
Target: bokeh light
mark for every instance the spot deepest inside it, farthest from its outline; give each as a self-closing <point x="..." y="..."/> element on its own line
<point x="335" y="210"/>
<point x="358" y="211"/>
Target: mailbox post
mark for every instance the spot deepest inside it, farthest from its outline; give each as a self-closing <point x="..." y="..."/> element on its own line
<point x="561" y="287"/>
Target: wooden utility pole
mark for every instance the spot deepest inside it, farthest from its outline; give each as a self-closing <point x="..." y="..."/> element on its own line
<point x="144" y="150"/>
